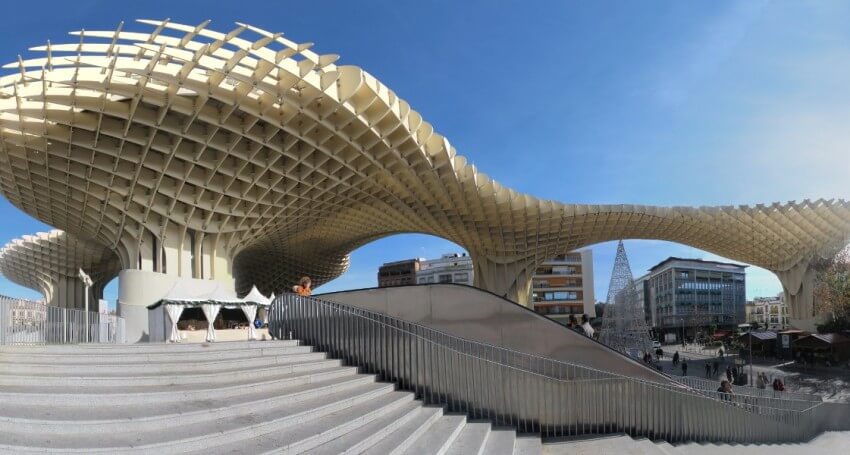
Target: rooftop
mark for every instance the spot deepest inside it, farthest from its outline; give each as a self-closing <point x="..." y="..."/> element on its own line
<point x="699" y="261"/>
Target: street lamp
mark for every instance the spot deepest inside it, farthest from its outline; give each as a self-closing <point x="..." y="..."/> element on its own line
<point x="750" y="337"/>
<point x="87" y="283"/>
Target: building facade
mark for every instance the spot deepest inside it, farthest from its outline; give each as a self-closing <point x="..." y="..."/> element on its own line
<point x="563" y="285"/>
<point x="693" y="297"/>
<point x="642" y="289"/>
<point x="398" y="273"/>
<point x="24" y="312"/>
<point x="768" y="312"/>
<point x="449" y="268"/>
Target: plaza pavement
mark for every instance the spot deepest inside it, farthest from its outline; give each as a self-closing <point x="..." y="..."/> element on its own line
<point x="832" y="384"/>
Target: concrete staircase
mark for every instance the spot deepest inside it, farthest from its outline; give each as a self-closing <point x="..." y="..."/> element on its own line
<point x="239" y="397"/>
<point x="827" y="443"/>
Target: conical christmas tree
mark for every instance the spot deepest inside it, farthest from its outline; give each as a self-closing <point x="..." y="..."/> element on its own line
<point x="623" y="322"/>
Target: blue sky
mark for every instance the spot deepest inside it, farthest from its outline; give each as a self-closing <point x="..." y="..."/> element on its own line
<point x="668" y="103"/>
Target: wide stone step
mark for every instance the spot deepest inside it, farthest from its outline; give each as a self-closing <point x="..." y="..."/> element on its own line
<point x="222" y="376"/>
<point x="315" y="432"/>
<point x="593" y="444"/>
<point x="144" y="358"/>
<point x="357" y="440"/>
<point x="438" y="437"/>
<point x="218" y="434"/>
<point x="196" y="366"/>
<point x="528" y="445"/>
<point x="154" y="416"/>
<point x="400" y="439"/>
<point x="500" y="441"/>
<point x="150" y="348"/>
<point x="240" y="397"/>
<point x="471" y="440"/>
<point x="27" y="396"/>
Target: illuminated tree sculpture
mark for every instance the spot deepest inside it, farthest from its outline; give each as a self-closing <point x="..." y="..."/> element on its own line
<point x="623" y="323"/>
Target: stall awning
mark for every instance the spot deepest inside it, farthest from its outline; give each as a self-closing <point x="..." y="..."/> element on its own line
<point x="760" y="336"/>
<point x="256" y="297"/>
<point x="196" y="294"/>
<point x="822" y="340"/>
<point x="210" y="296"/>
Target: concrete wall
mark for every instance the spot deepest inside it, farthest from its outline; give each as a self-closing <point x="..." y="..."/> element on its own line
<point x="136" y="290"/>
<point x="587" y="282"/>
<point x="478" y="315"/>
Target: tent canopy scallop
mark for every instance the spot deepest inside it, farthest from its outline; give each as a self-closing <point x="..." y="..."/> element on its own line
<point x="245" y="154"/>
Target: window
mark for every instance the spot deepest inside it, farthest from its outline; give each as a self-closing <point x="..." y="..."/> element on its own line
<point x="461" y="277"/>
<point x="445" y="278"/>
<point x="563" y="270"/>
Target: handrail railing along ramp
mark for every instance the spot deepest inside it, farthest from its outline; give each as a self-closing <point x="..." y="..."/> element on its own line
<point x="533" y="394"/>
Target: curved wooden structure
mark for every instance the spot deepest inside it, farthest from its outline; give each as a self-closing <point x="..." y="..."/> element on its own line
<point x="245" y="154"/>
<point x="48" y="262"/>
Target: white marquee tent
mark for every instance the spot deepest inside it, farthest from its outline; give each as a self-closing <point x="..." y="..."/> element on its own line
<point x="210" y="297"/>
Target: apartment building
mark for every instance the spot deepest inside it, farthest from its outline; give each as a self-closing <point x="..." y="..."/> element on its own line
<point x="563" y="285"/>
<point x="449" y="268"/>
<point x="398" y="273"/>
<point x="769" y="312"/>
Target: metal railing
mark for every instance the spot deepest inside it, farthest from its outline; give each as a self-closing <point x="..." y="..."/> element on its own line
<point x="25" y="322"/>
<point x="532" y="394"/>
<point x="707" y="384"/>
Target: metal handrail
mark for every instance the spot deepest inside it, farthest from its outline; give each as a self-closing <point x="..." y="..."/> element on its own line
<point x="47" y="324"/>
<point x="705" y="384"/>
<point x="532" y="394"/>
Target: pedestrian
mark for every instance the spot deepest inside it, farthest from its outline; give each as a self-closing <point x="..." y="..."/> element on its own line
<point x="760" y="381"/>
<point x="675" y="358"/>
<point x="707" y="370"/>
<point x="684" y="367"/>
<point x="720" y="353"/>
<point x="574" y="325"/>
<point x="734" y="375"/>
<point x="715" y="367"/>
<point x="728" y="374"/>
<point x="585" y="324"/>
<point x="659" y="353"/>
<point x="778" y="385"/>
<point x="303" y="287"/>
<point x="725" y="390"/>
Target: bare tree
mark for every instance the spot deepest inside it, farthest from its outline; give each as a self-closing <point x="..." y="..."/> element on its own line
<point x="832" y="290"/>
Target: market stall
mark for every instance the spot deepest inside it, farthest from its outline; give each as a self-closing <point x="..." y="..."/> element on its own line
<point x="209" y="300"/>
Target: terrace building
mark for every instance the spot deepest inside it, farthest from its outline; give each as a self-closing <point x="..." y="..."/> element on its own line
<point x="563" y="285"/>
<point x="768" y="312"/>
<point x="449" y="268"/>
<point x="398" y="273"/>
